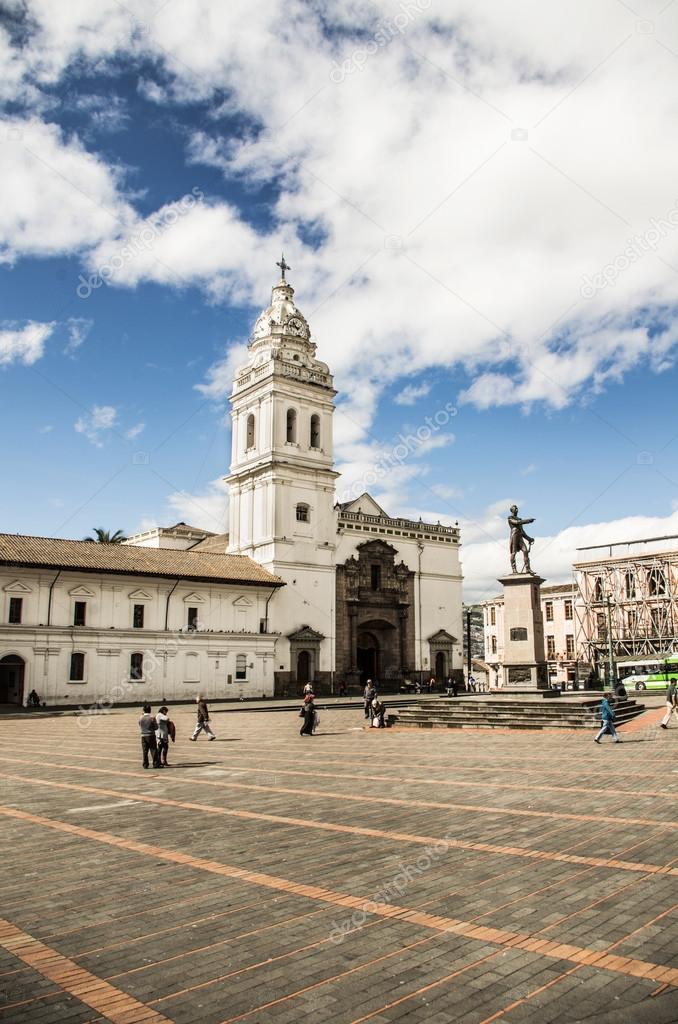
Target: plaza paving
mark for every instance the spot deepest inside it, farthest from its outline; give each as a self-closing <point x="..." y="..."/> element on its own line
<point x="351" y="876"/>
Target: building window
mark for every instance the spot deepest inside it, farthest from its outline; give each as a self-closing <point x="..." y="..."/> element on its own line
<point x="375" y="577"/>
<point x="303" y="515"/>
<point x="550" y="647"/>
<point x="656" y="622"/>
<point x="291" y="426"/>
<point x="601" y="625"/>
<point x="80" y="613"/>
<point x="598" y="589"/>
<point x="192" y="620"/>
<point x="493" y="616"/>
<point x="568" y="609"/>
<point x="569" y="645"/>
<point x="15" y="609"/>
<point x="549" y="611"/>
<point x="315" y="431"/>
<point x="136" y="666"/>
<point x="250" y="432"/>
<point x="631" y="623"/>
<point x="138" y="616"/>
<point x="77" y="667"/>
<point x="630" y="585"/>
<point x="656" y="583"/>
<point x="241" y="666"/>
<point x="494" y="644"/>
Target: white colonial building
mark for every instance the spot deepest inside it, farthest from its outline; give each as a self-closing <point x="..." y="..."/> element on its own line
<point x="303" y="588"/>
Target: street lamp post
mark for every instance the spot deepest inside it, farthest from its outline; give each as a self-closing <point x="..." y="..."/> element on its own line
<point x="610" y="650"/>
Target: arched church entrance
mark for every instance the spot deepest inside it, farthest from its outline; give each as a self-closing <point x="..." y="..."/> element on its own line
<point x="303" y="667"/>
<point x="368" y="657"/>
<point x="440" y="667"/>
<point x="12" y="679"/>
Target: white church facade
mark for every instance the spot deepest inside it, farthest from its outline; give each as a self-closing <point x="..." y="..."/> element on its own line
<point x="301" y="589"/>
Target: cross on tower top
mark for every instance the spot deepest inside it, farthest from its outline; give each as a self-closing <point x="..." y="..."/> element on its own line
<point x="283" y="266"/>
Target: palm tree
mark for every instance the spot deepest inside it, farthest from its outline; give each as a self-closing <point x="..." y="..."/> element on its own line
<point x="106" y="537"/>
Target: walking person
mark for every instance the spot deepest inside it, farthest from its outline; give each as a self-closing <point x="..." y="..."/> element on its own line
<point x="308" y="714"/>
<point x="671" y="704"/>
<point x="147" y="726"/>
<point x="203" y="720"/>
<point x="607" y="720"/>
<point x="369" y="694"/>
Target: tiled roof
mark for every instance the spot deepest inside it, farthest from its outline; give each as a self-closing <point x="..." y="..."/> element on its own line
<point x="87" y="556"/>
<point x="217" y="542"/>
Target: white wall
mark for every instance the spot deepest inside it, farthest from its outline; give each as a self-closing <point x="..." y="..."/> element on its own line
<point x="178" y="663"/>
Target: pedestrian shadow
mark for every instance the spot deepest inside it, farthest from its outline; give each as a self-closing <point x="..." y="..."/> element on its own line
<point x="196" y="764"/>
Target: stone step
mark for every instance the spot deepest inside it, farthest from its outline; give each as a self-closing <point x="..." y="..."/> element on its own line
<point x="478" y="715"/>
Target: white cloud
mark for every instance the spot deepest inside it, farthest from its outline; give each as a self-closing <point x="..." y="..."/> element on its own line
<point x="411" y="394"/>
<point x="208" y="510"/>
<point x="101" y="419"/>
<point x="527" y="470"/>
<point x="524" y="141"/>
<point x="134" y="431"/>
<point x="24" y="344"/>
<point x="78" y="328"/>
<point x="47" y="429"/>
<point x="64" y="199"/>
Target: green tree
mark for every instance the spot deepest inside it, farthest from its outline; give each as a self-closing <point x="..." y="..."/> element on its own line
<point x="102" y="536"/>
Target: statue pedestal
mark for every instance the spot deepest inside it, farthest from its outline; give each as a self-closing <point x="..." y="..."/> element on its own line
<point x="524" y="662"/>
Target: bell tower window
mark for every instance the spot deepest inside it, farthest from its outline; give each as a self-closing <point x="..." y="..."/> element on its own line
<point x="291" y="426"/>
<point x="303" y="513"/>
<point x="315" y="431"/>
<point x="250" y="432"/>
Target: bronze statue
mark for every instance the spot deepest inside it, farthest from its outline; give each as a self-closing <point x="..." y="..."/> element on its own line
<point x="519" y="540"/>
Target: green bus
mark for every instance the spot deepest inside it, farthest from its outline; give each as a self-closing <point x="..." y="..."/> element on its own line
<point x="648" y="673"/>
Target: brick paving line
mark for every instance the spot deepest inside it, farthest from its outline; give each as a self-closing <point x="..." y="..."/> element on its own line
<point x="93" y="745"/>
<point x="627" y="966"/>
<point x="349" y="797"/>
<point x="512" y="1006"/>
<point x="375" y="833"/>
<point x="116" y="1005"/>
<point x="344" y="974"/>
<point x="466" y="888"/>
<point x="419" y="906"/>
<point x="579" y="967"/>
<point x="491" y="784"/>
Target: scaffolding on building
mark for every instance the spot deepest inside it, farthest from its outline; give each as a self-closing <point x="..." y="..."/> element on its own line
<point x="630" y="600"/>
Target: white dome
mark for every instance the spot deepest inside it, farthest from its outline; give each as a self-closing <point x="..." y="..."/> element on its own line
<point x="282" y="317"/>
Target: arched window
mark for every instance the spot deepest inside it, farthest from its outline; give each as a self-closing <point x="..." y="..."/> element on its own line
<point x="303" y="513"/>
<point x="315" y="431"/>
<point x="241" y="666"/>
<point x="77" y="673"/>
<point x="292" y="425"/>
<point x="250" y="432"/>
<point x="136" y="666"/>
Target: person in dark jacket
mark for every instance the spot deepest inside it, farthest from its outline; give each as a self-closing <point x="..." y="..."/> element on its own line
<point x="147" y="726"/>
<point x="308" y="714"/>
<point x="607" y="720"/>
<point x="203" y="720"/>
<point x="369" y="693"/>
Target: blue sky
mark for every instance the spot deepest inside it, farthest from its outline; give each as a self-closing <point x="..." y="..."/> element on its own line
<point x="444" y="183"/>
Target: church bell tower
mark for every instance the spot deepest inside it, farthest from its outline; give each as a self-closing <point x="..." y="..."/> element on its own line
<point x="282" y="478"/>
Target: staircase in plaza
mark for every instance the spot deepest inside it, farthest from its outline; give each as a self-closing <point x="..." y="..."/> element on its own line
<point x="511" y="712"/>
